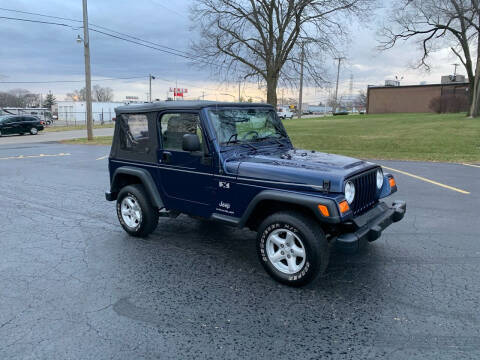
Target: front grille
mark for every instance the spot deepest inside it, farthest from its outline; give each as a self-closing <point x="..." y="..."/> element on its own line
<point x="365" y="191"/>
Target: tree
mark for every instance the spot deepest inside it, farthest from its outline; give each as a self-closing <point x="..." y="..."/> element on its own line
<point x="100" y="94"/>
<point x="19" y="98"/>
<point x="265" y="39"/>
<point x="50" y="100"/>
<point x="361" y="100"/>
<point x="437" y="24"/>
<point x="77" y="95"/>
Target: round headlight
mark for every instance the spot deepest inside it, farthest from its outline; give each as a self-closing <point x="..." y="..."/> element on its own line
<point x="379" y="178"/>
<point x="349" y="192"/>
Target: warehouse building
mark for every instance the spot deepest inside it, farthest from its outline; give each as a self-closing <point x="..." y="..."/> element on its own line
<point x="447" y="97"/>
<point x="75" y="112"/>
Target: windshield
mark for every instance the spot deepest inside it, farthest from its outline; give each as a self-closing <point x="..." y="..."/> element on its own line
<point x="245" y="125"/>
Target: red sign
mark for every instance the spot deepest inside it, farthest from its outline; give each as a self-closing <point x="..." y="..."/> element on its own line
<point x="178" y="91"/>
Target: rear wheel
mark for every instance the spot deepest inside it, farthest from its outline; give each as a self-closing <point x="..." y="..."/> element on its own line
<point x="135" y="212"/>
<point x="292" y="248"/>
<point x="34" y="131"/>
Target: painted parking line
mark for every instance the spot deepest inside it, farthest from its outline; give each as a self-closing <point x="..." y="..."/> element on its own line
<point x="428" y="180"/>
<point x="477" y="166"/>
<point x="102" y="157"/>
<point x="34" y="156"/>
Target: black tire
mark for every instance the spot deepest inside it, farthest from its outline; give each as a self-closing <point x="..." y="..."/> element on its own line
<point x="312" y="238"/>
<point x="34" y="131"/>
<point x="0" y="133"/>
<point x="149" y="214"/>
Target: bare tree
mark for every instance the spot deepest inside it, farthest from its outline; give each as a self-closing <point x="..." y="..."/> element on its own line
<point x="437" y="24"/>
<point x="19" y="98"/>
<point x="100" y="94"/>
<point x="266" y="39"/>
<point x="360" y="100"/>
<point x="76" y="95"/>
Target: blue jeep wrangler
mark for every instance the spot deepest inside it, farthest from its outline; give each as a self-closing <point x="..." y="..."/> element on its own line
<point x="235" y="163"/>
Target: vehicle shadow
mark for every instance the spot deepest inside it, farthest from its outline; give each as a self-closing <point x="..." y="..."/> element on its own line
<point x="230" y="249"/>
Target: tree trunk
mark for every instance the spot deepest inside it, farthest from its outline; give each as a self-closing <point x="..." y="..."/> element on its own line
<point x="475" y="104"/>
<point x="272" y="82"/>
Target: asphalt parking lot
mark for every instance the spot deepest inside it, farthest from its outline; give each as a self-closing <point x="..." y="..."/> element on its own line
<point x="73" y="285"/>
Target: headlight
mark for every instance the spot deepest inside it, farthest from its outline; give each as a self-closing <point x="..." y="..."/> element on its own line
<point x="379" y="179"/>
<point x="349" y="192"/>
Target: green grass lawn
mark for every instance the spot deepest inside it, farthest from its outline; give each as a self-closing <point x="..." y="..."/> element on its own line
<point x="429" y="137"/>
<point x="98" y="140"/>
<point x="79" y="127"/>
<point x="424" y="137"/>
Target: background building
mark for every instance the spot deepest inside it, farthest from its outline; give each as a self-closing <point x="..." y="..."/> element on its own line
<point x="447" y="97"/>
<point x="75" y="111"/>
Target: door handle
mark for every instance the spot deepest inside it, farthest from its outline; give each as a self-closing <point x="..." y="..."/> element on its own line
<point x="166" y="155"/>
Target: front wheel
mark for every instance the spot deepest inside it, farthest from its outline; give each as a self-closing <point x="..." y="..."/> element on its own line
<point x="135" y="211"/>
<point x="292" y="248"/>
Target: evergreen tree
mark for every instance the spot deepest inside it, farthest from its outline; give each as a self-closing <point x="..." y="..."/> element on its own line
<point x="50" y="100"/>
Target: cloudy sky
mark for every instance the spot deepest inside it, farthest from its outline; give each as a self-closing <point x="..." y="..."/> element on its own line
<point x="39" y="52"/>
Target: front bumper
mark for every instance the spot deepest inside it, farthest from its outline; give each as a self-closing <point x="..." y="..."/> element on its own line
<point x="370" y="225"/>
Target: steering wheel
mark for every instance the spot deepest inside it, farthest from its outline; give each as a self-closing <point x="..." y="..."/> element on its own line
<point x="244" y="137"/>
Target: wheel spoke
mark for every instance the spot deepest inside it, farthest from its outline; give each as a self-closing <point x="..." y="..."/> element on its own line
<point x="290" y="238"/>
<point x="277" y="240"/>
<point x="130" y="203"/>
<point x="277" y="256"/>
<point x="292" y="266"/>
<point x="298" y="252"/>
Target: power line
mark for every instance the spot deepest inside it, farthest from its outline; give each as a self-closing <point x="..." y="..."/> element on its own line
<point x="70" y="81"/>
<point x="35" y="21"/>
<point x="94" y="25"/>
<point x="121" y="38"/>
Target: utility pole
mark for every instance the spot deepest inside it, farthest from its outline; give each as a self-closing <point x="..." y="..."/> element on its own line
<point x="300" y="96"/>
<point x="338" y="78"/>
<point x="88" y="79"/>
<point x="150" y="78"/>
<point x="239" y="97"/>
<point x="203" y="95"/>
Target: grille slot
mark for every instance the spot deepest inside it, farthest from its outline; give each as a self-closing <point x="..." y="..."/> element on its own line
<point x="365" y="191"/>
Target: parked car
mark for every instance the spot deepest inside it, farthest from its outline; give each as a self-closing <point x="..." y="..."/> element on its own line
<point x="235" y="164"/>
<point x="19" y="124"/>
<point x="284" y="112"/>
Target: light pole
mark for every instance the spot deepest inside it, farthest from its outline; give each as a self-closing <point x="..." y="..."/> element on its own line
<point x="150" y="78"/>
<point x="88" y="79"/>
<point x="300" y="95"/>
<point x="338" y="78"/>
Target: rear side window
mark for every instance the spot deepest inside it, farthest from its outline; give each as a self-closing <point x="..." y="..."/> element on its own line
<point x="134" y="133"/>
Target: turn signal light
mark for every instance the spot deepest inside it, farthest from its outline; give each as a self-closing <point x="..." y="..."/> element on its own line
<point x="392" y="182"/>
<point x="324" y="210"/>
<point x="344" y="206"/>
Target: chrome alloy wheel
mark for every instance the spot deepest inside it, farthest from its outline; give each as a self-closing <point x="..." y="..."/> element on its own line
<point x="285" y="251"/>
<point x="33" y="131"/>
<point x="131" y="212"/>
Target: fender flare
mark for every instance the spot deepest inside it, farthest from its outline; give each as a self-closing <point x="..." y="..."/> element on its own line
<point x="307" y="201"/>
<point x="146" y="180"/>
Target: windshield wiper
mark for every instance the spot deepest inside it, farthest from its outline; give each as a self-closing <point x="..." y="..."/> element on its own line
<point x="248" y="144"/>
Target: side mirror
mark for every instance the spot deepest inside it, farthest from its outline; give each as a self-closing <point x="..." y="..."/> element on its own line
<point x="191" y="142"/>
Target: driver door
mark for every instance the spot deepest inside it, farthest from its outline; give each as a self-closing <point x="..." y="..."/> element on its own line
<point x="186" y="177"/>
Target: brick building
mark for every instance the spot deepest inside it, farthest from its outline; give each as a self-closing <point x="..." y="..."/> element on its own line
<point x="414" y="98"/>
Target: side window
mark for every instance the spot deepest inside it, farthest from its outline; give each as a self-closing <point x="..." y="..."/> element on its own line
<point x="134" y="133"/>
<point x="175" y="125"/>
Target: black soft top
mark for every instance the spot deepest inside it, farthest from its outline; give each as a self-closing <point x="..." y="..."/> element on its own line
<point x="181" y="105"/>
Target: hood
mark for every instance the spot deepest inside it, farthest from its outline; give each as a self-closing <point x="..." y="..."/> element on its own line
<point x="298" y="167"/>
